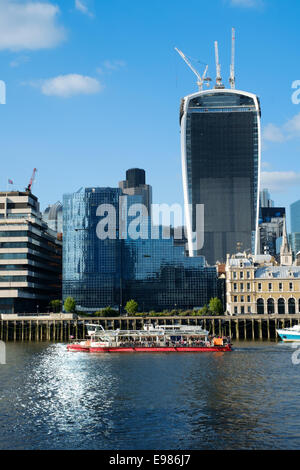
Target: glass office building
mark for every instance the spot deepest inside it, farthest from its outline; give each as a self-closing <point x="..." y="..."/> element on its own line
<point x="220" y="144"/>
<point x="294" y="237"/>
<point x="158" y="275"/>
<point x="295" y="217"/>
<point x="271" y="225"/>
<point x="91" y="266"/>
<point x="155" y="272"/>
<point x="53" y="216"/>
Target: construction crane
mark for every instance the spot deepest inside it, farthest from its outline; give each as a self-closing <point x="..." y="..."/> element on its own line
<point x="232" y="72"/>
<point x="218" y="68"/>
<point x="28" y="189"/>
<point x="201" y="80"/>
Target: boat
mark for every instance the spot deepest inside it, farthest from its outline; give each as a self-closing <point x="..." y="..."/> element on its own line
<point x="290" y="334"/>
<point x="152" y="338"/>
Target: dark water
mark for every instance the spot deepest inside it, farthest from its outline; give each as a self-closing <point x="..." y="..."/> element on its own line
<point x="54" y="399"/>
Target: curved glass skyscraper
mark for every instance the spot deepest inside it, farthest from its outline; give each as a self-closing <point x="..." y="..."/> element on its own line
<point x="220" y="146"/>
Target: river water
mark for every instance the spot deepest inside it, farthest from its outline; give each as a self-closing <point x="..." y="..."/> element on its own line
<point x="54" y="399"/>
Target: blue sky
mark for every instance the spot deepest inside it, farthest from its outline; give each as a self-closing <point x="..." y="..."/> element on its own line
<point x="94" y="87"/>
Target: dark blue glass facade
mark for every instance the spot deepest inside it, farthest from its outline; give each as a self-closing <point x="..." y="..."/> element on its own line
<point x="91" y="267"/>
<point x="154" y="272"/>
<point x="221" y="153"/>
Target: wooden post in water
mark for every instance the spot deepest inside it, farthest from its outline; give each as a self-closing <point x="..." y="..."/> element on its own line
<point x="268" y="326"/>
<point x="253" y="329"/>
<point x="229" y="331"/>
<point x="260" y="328"/>
<point x="245" y="329"/>
<point x="15" y="330"/>
<point x="22" y="330"/>
<point x="237" y="330"/>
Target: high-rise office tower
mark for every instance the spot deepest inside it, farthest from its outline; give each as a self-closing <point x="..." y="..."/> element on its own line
<point x="265" y="199"/>
<point x="135" y="185"/>
<point x="271" y="225"/>
<point x="220" y="147"/>
<point x="53" y="216"/>
<point x="295" y="227"/>
<point x="30" y="256"/>
<point x="295" y="216"/>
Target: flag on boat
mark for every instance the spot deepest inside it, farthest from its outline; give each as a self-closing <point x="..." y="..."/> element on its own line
<point x="10" y="182"/>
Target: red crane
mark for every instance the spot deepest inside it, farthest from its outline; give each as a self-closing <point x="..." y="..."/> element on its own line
<point x="28" y="189"/>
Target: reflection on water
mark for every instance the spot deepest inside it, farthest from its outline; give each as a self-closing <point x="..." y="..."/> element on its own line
<point x="54" y="399"/>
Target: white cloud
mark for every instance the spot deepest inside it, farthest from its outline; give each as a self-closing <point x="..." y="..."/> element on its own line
<point x="272" y="133"/>
<point x="65" y="86"/>
<point x="29" y="25"/>
<point x="289" y="130"/>
<point x="111" y="66"/>
<point x="19" y="61"/>
<point x="279" y="181"/>
<point x="292" y="127"/>
<point x="246" y="3"/>
<point x="81" y="6"/>
<point x="114" y="64"/>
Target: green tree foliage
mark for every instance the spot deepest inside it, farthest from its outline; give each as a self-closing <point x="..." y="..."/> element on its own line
<point x="107" y="312"/>
<point x="215" y="306"/>
<point x="131" y="307"/>
<point x="70" y="305"/>
<point x="204" y="311"/>
<point x="55" y="306"/>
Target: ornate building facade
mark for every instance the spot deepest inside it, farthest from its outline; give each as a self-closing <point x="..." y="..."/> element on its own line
<point x="259" y="285"/>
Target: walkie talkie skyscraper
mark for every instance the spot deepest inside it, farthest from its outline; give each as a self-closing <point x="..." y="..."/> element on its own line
<point x="220" y="148"/>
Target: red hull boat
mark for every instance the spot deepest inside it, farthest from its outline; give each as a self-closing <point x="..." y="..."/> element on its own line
<point x="153" y="339"/>
<point x="150" y="349"/>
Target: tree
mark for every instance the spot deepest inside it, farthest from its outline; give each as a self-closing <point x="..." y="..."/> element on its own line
<point x="107" y="312"/>
<point x="70" y="305"/>
<point x="56" y="305"/>
<point x="216" y="306"/>
<point x="131" y="307"/>
<point x="203" y="311"/>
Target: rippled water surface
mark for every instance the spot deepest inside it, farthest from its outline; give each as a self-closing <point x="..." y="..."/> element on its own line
<point x="54" y="399"/>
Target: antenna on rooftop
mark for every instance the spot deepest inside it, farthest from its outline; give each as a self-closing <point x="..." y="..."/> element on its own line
<point x="201" y="80"/>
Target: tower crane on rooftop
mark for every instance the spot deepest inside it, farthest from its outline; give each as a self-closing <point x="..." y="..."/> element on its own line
<point x="28" y="189"/>
<point x="201" y="80"/>
<point x="219" y="83"/>
<point x="232" y="71"/>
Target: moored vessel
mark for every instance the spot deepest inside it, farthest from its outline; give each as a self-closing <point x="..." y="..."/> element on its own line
<point x="167" y="338"/>
<point x="289" y="335"/>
